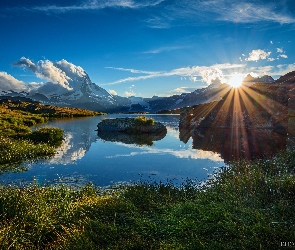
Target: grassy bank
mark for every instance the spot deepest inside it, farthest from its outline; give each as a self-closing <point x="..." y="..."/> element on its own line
<point x="248" y="206"/>
<point x="18" y="143"/>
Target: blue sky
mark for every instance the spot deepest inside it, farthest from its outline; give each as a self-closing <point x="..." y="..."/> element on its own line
<point x="149" y="47"/>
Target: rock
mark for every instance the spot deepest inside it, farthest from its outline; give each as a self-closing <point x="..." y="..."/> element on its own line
<point x="131" y="126"/>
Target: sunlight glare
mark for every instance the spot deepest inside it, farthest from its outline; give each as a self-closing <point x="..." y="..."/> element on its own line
<point x="236" y="80"/>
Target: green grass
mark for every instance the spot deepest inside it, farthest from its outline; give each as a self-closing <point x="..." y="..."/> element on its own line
<point x="143" y="121"/>
<point x="247" y="206"/>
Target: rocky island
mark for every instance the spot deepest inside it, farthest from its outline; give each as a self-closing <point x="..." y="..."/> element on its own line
<point x="139" y="130"/>
<point x="136" y="125"/>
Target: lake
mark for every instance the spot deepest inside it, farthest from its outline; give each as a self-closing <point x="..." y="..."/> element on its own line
<point x="85" y="157"/>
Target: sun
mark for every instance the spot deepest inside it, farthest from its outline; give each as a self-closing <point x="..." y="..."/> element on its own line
<point x="236" y="80"/>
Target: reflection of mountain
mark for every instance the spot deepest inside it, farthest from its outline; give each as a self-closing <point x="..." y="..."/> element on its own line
<point x="138" y="139"/>
<point x="239" y="143"/>
<point x="79" y="135"/>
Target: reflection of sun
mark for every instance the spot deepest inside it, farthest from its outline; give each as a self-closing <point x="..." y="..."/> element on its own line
<point x="236" y="80"/>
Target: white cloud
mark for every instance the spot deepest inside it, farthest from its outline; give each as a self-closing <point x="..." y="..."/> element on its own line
<point x="284" y="56"/>
<point x="283" y="69"/>
<point x="8" y="82"/>
<point x="45" y="69"/>
<point x="193" y="78"/>
<point x="280" y="50"/>
<point x="129" y="93"/>
<point x="271" y="42"/>
<point x="48" y="71"/>
<point x="165" y="49"/>
<point x="244" y="11"/>
<point x="262" y="70"/>
<point x="257" y="55"/>
<point x="207" y="73"/>
<point x="278" y="70"/>
<point x="92" y="5"/>
<point x="113" y="92"/>
<point x="183" y="90"/>
<point x="270" y="59"/>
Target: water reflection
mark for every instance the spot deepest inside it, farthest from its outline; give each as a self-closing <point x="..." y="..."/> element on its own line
<point x="246" y="144"/>
<point x="240" y="142"/>
<point x="138" y="139"/>
<point x="109" y="159"/>
<point x="78" y="136"/>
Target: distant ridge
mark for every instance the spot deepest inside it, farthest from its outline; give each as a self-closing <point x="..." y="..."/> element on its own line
<point x="288" y="78"/>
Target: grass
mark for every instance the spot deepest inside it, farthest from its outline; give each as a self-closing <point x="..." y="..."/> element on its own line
<point x="247" y="206"/>
<point x="18" y="143"/>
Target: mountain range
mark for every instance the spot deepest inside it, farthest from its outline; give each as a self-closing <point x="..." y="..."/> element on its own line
<point x="83" y="93"/>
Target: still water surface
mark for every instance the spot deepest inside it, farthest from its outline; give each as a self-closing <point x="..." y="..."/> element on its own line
<point x="85" y="157"/>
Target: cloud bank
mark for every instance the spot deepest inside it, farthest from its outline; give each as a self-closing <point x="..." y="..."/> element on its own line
<point x="8" y="82"/>
<point x="61" y="76"/>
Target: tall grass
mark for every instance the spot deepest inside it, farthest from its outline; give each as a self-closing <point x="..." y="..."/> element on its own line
<point x="246" y="206"/>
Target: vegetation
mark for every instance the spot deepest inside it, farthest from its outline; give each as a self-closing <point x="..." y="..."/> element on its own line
<point x="247" y="206"/>
<point x="47" y="111"/>
<point x="143" y="121"/>
<point x="18" y="143"/>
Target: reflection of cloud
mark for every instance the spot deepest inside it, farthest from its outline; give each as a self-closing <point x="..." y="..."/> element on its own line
<point x="184" y="153"/>
<point x="65" y="153"/>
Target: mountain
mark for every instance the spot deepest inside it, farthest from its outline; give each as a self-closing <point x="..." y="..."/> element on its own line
<point x="288" y="78"/>
<point x="249" y="80"/>
<point x="77" y="90"/>
<point x="83" y="93"/>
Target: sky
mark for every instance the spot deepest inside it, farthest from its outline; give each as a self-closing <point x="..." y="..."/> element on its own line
<point x="144" y="47"/>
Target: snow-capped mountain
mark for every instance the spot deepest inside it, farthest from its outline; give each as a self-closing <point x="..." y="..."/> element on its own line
<point x="69" y="85"/>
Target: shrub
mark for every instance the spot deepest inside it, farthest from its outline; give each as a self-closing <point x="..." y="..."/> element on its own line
<point x="143" y="121"/>
<point x="51" y="136"/>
